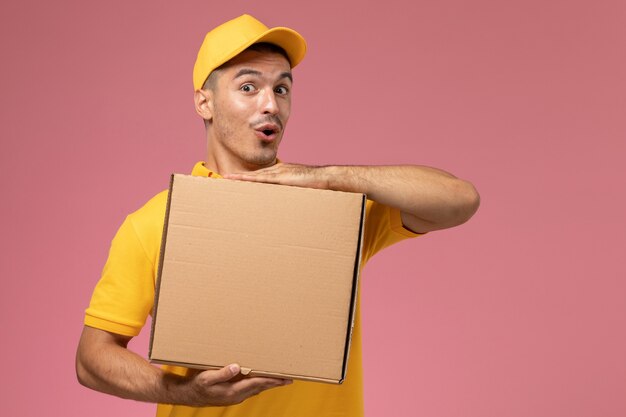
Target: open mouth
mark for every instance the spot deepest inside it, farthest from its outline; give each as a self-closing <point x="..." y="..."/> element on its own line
<point x="268" y="131"/>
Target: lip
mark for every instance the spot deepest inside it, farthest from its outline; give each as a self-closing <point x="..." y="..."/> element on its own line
<point x="267" y="126"/>
<point x="264" y="137"/>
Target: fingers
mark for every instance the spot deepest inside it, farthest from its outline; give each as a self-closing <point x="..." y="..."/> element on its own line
<point x="249" y="387"/>
<point x="227" y="386"/>
<point x="221" y="375"/>
<point x="286" y="174"/>
<point x="263" y="175"/>
<point x="261" y="383"/>
<point x="245" y="177"/>
<point x="274" y="173"/>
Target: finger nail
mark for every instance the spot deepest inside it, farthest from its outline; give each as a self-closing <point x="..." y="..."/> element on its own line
<point x="234" y="368"/>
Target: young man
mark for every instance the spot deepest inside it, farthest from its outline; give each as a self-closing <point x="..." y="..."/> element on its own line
<point x="242" y="81"/>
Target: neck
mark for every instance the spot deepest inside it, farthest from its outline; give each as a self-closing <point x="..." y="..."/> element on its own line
<point x="223" y="164"/>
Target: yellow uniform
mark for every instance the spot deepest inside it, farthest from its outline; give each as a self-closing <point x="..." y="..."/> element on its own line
<point x="124" y="296"/>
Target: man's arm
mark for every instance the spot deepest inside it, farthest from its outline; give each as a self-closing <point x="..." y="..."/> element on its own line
<point x="428" y="198"/>
<point x="104" y="364"/>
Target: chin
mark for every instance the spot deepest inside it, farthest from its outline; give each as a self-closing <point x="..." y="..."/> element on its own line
<point x="262" y="161"/>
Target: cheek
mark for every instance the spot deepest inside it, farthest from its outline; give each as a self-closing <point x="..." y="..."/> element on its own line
<point x="286" y="109"/>
<point x="237" y="104"/>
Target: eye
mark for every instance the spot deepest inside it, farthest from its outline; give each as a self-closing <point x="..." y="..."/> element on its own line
<point x="247" y="88"/>
<point x="282" y="90"/>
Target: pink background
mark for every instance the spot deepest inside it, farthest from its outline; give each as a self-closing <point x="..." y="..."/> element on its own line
<point x="521" y="312"/>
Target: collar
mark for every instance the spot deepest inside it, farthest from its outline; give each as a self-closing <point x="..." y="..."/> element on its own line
<point x="199" y="170"/>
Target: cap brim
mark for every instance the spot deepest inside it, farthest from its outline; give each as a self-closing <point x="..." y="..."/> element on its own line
<point x="288" y="39"/>
<point x="291" y="41"/>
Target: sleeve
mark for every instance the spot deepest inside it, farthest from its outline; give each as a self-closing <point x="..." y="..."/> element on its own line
<point x="383" y="228"/>
<point x="124" y="296"/>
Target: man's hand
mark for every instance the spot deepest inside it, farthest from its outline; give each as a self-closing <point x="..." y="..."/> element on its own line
<point x="287" y="174"/>
<point x="224" y="387"/>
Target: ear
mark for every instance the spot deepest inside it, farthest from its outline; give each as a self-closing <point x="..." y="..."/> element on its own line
<point x="203" y="101"/>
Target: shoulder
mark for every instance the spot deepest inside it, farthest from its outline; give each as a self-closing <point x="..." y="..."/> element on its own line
<point x="151" y="212"/>
<point x="147" y="223"/>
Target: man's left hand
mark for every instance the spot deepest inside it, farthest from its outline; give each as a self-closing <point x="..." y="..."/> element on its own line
<point x="287" y="174"/>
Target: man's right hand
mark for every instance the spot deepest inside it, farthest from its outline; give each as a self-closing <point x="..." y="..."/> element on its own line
<point x="103" y="363"/>
<point x="227" y="386"/>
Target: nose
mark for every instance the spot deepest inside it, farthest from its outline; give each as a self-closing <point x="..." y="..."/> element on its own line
<point x="269" y="105"/>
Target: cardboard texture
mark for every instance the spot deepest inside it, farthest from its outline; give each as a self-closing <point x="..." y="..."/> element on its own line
<point x="258" y="274"/>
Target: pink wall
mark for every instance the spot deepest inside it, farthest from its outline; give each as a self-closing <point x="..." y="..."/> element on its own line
<point x="521" y="312"/>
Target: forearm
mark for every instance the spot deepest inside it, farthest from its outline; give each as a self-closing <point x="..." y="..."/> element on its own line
<point x="104" y="364"/>
<point x="435" y="198"/>
<point x="108" y="367"/>
<point x="428" y="198"/>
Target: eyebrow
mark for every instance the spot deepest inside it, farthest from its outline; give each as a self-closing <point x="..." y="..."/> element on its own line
<point x="286" y="74"/>
<point x="248" y="71"/>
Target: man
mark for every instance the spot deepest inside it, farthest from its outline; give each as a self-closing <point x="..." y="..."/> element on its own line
<point x="242" y="81"/>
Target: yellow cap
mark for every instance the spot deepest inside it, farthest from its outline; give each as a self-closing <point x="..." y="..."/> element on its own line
<point x="233" y="37"/>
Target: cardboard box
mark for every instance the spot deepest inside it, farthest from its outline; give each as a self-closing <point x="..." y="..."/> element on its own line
<point x="258" y="274"/>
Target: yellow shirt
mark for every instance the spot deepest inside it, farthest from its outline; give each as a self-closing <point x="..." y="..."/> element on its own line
<point x="124" y="296"/>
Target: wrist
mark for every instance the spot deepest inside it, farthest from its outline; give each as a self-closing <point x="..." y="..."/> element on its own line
<point x="175" y="389"/>
<point x="345" y="178"/>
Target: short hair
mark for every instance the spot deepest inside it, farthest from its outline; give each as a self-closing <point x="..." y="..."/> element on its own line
<point x="210" y="82"/>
